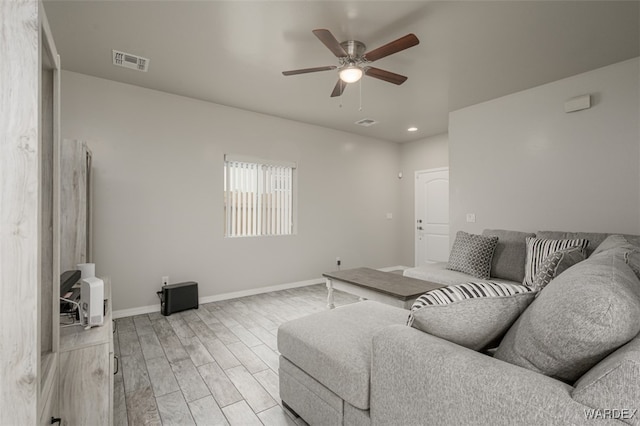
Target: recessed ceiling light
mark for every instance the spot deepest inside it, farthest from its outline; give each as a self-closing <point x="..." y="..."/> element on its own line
<point x="412" y="129"/>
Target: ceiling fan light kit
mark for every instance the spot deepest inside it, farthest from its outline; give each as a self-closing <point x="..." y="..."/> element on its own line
<point x="354" y="60"/>
<point x="350" y="74"/>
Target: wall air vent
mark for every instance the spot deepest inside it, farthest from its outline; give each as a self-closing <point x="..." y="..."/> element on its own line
<point x="128" y="60"/>
<point x="366" y="122"/>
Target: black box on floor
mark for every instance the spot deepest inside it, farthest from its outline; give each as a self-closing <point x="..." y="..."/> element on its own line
<point x="178" y="297"/>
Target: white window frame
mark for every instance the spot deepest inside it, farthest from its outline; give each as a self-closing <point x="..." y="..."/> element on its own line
<point x="259" y="197"/>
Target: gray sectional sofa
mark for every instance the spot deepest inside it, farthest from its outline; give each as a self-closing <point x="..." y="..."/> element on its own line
<point x="362" y="365"/>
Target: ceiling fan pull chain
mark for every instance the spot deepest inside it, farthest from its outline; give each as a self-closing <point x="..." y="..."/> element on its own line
<point x="360" y="109"/>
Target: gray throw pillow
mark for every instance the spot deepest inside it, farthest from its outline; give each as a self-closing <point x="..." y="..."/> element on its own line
<point x="582" y="316"/>
<point x="555" y="264"/>
<point x="473" y="314"/>
<point x="472" y="254"/>
<point x="508" y="259"/>
<point x="539" y="248"/>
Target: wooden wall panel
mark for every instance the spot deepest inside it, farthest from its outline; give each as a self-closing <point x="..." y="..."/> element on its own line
<point x="73" y="204"/>
<point x="19" y="212"/>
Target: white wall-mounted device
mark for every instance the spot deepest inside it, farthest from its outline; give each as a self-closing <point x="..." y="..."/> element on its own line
<point x="578" y="103"/>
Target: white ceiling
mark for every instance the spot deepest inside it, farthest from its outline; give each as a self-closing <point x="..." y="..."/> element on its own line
<point x="233" y="52"/>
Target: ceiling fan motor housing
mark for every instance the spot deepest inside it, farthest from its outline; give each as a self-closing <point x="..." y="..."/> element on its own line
<point x="355" y="49"/>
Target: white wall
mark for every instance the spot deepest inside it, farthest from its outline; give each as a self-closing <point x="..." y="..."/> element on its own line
<point x="428" y="153"/>
<point x="158" y="192"/>
<point x="520" y="162"/>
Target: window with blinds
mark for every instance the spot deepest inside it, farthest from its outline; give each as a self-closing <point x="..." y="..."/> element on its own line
<point x="258" y="197"/>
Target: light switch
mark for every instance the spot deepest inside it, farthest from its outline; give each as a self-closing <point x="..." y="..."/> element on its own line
<point x="389" y="215"/>
<point x="471" y="217"/>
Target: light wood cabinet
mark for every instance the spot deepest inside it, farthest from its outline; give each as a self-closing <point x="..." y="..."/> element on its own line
<point x="44" y="373"/>
<point x="86" y="372"/>
<point x="29" y="215"/>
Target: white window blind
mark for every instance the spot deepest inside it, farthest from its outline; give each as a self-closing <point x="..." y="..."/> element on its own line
<point x="258" y="197"/>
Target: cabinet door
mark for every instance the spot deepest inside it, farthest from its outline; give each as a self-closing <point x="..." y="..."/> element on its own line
<point x="50" y="401"/>
<point x="84" y="386"/>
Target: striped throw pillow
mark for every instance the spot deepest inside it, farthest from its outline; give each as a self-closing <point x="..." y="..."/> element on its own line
<point x="539" y="248"/>
<point x="472" y="314"/>
<point x="470" y="290"/>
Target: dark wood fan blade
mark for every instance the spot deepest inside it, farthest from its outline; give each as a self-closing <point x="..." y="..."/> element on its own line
<point x="306" y="70"/>
<point x="330" y="41"/>
<point x="385" y="75"/>
<point x="339" y="88"/>
<point x="395" y="46"/>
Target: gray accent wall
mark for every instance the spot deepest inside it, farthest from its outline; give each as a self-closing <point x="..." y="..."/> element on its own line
<point x="158" y="197"/>
<point x="520" y="162"/>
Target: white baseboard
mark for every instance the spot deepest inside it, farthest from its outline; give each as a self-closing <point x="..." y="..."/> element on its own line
<point x="217" y="297"/>
<point x="254" y="291"/>
<point x="234" y="295"/>
<point x="394" y="268"/>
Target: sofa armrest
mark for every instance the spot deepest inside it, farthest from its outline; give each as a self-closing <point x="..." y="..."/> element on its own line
<point x="417" y="378"/>
<point x="614" y="383"/>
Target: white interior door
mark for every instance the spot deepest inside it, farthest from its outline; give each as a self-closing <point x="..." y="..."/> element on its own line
<point x="432" y="216"/>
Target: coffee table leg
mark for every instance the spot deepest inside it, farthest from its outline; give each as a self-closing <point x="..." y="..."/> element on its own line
<point x="330" y="303"/>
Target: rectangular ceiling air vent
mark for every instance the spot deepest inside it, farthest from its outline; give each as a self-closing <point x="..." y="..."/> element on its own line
<point x="128" y="60"/>
<point x="366" y="122"/>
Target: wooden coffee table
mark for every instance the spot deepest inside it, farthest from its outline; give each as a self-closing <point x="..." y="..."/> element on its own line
<point x="385" y="287"/>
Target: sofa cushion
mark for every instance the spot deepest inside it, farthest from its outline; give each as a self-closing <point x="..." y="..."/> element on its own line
<point x="632" y="258"/>
<point x="595" y="238"/>
<point x="614" y="241"/>
<point x="473" y="314"/>
<point x="555" y="264"/>
<point x="508" y="259"/>
<point x="578" y="319"/>
<point x="334" y="347"/>
<point x="437" y="272"/>
<point x="539" y="248"/>
<point x="472" y="254"/>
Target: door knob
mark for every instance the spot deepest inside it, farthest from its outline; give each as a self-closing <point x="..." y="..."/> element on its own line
<point x="419" y="228"/>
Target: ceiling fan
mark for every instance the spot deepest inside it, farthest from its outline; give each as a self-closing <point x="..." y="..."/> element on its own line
<point x="354" y="62"/>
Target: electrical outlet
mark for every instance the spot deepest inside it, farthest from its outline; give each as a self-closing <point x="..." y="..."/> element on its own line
<point x="165" y="280"/>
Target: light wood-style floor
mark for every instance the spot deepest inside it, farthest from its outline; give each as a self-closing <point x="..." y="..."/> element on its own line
<point x="217" y="365"/>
